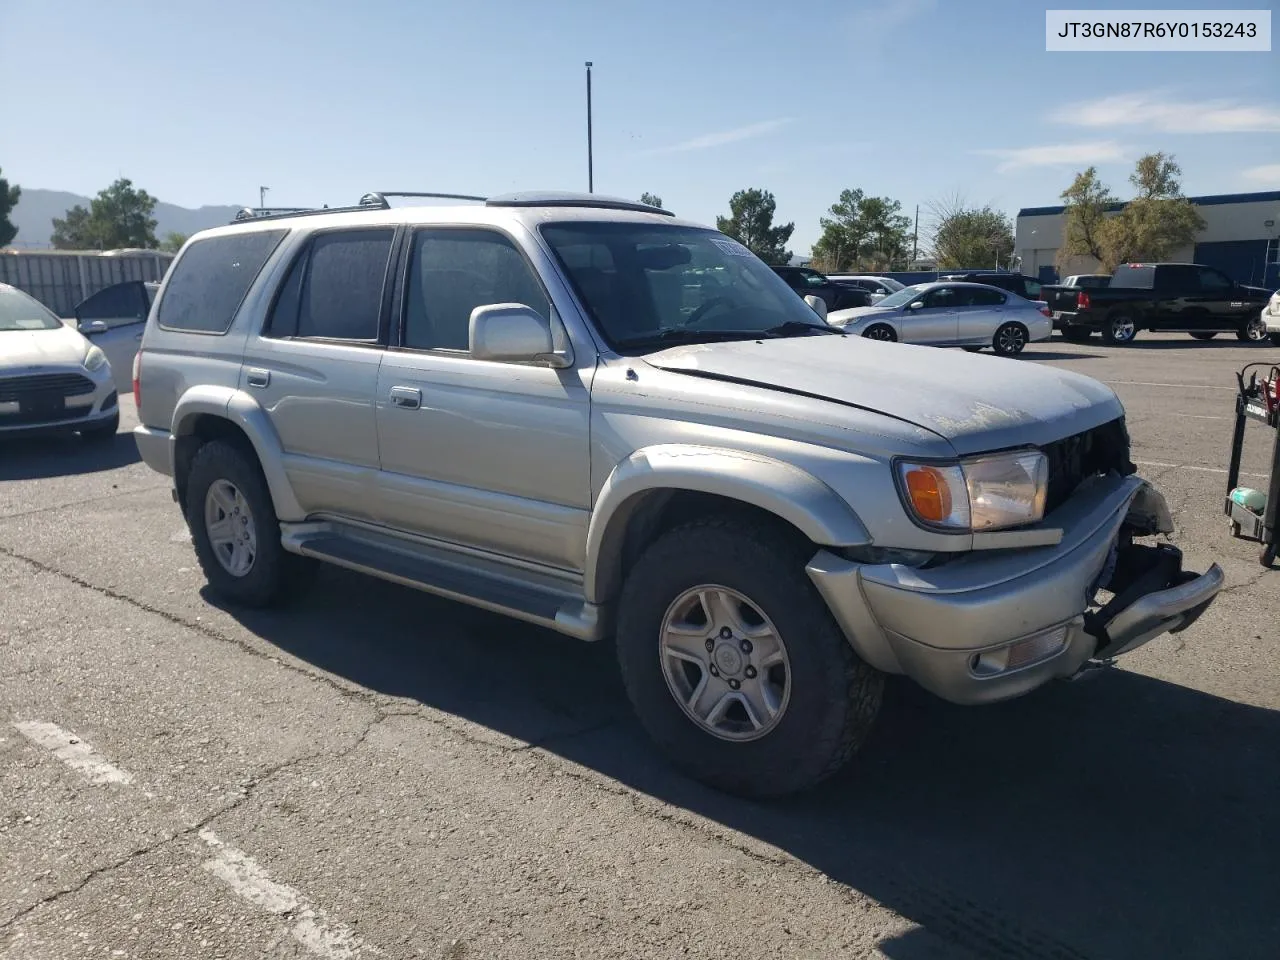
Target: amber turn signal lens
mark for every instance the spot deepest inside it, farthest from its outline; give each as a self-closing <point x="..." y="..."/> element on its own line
<point x="929" y="493"/>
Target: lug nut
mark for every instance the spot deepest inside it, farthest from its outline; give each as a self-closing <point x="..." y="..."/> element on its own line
<point x="751" y="673"/>
<point x="725" y="633"/>
<point x="734" y="684"/>
<point x="714" y="671"/>
<point x="711" y="645"/>
<point x="746" y="646"/>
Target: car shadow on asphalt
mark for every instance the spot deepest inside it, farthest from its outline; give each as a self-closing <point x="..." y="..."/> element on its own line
<point x="1119" y="816"/>
<point x="1058" y="355"/>
<point x="38" y="458"/>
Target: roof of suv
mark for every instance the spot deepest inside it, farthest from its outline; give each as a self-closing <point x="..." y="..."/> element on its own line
<point x="528" y="209"/>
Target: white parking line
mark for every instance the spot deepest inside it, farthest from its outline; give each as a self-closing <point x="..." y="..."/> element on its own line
<point x="72" y="751"/>
<point x="311" y="927"/>
<point x="250" y="882"/>
<point x="1186" y="466"/>
<point x="1180" y="386"/>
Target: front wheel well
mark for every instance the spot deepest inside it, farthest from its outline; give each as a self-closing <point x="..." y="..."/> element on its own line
<point x="193" y="434"/>
<point x="650" y="514"/>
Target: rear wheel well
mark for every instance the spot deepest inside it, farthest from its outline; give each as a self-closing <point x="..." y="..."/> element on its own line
<point x="658" y="511"/>
<point x="201" y="429"/>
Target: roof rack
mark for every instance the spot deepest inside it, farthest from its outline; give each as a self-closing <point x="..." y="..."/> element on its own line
<point x="558" y="199"/>
<point x="378" y="198"/>
<point x="254" y="213"/>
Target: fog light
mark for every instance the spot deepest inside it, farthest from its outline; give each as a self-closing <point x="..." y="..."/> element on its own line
<point x="1023" y="653"/>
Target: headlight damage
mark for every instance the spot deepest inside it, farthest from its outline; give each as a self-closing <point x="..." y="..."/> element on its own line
<point x="981" y="493"/>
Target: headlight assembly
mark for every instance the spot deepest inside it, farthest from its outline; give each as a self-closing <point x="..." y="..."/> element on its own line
<point x="977" y="494"/>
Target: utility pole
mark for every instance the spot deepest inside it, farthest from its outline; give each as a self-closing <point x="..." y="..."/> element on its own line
<point x="915" y="237"/>
<point x="262" y="196"/>
<point x="591" y="184"/>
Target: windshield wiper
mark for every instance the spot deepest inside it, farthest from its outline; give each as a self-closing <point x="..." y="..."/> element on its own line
<point x="676" y="335"/>
<point x="799" y="326"/>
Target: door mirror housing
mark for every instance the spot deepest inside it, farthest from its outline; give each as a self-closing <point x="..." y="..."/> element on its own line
<point x="915" y="305"/>
<point x="91" y="327"/>
<point x="515" y="333"/>
<point x="818" y="305"/>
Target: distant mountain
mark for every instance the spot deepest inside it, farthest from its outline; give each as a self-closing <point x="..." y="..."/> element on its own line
<point x="33" y="216"/>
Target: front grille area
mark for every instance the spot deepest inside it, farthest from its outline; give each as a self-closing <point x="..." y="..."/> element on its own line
<point x="1075" y="459"/>
<point x="41" y="398"/>
<point x="44" y="384"/>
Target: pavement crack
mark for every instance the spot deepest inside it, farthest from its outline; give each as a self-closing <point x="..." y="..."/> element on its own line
<point x="80" y="503"/>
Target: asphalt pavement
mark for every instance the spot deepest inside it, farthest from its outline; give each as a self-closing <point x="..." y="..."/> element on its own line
<point x="373" y="772"/>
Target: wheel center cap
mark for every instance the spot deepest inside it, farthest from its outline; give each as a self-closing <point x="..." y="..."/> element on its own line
<point x="728" y="659"/>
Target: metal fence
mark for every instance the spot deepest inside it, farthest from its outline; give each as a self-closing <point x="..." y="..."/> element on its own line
<point x="60" y="279"/>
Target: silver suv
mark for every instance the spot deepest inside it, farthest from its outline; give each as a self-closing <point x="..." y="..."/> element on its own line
<point x="592" y="416"/>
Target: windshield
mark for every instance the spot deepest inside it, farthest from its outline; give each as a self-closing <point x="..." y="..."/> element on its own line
<point x="21" y="312"/>
<point x="903" y="296"/>
<point x="892" y="284"/>
<point x="649" y="282"/>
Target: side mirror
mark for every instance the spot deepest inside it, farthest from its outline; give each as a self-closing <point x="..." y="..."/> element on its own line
<point x="818" y="304"/>
<point x="915" y="305"/>
<point x="514" y="333"/>
<point x="90" y="327"/>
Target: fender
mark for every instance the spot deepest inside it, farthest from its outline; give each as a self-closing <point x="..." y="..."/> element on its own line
<point x="782" y="489"/>
<point x="243" y="410"/>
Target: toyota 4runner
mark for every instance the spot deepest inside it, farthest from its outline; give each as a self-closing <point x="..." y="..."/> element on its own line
<point x="590" y="415"/>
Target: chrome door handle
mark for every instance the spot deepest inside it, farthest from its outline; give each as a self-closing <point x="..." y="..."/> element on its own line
<point x="408" y="398"/>
<point x="257" y="377"/>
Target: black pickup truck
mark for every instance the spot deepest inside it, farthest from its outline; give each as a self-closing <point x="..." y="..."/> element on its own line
<point x="1160" y="297"/>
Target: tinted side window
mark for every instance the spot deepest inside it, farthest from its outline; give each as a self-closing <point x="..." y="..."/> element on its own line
<point x="342" y="296"/>
<point x="1032" y="289"/>
<point x="1211" y="281"/>
<point x="986" y="298"/>
<point x="1177" y="280"/>
<point x="454" y="271"/>
<point x="940" y="297"/>
<point x="210" y="280"/>
<point x="117" y="306"/>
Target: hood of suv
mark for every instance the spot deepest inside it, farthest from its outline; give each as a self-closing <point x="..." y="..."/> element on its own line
<point x="978" y="403"/>
<point x="32" y="348"/>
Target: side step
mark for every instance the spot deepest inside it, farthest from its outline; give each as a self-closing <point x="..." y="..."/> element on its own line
<point x="476" y="580"/>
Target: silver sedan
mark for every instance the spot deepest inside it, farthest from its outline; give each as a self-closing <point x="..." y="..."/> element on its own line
<point x="969" y="315"/>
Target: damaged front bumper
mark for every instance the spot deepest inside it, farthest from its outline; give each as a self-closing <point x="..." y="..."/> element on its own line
<point x="996" y="624"/>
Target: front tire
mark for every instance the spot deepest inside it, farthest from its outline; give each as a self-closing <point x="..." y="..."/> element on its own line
<point x="725" y="601"/>
<point x="1204" y="334"/>
<point x="1010" y="339"/>
<point x="880" y="331"/>
<point x="235" y="530"/>
<point x="1119" y="329"/>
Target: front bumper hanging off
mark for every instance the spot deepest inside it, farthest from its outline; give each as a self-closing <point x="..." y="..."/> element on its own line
<point x="997" y="624"/>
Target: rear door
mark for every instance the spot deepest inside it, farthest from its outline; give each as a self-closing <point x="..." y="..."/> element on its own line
<point x="122" y="308"/>
<point x="979" y="311"/>
<point x="314" y="367"/>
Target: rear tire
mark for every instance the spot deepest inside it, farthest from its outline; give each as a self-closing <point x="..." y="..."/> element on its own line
<point x="1255" y="331"/>
<point x="831" y="696"/>
<point x="272" y="573"/>
<point x="101" y="432"/>
<point x="1204" y="335"/>
<point x="1010" y="339"/>
<point x="1120" y="328"/>
<point x="1076" y="334"/>
<point x="1275" y="339"/>
<point x="880" y="331"/>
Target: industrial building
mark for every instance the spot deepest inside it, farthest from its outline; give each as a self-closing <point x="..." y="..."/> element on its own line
<point x="1241" y="237"/>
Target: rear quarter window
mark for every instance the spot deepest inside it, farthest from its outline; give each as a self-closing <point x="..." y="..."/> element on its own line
<point x="211" y="278"/>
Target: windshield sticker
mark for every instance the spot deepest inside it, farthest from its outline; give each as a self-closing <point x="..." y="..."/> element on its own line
<point x="731" y="247"/>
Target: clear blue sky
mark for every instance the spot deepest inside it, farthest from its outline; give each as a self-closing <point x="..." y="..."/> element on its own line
<point x="322" y="101"/>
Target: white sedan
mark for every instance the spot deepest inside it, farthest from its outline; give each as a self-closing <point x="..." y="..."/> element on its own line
<point x="51" y="378"/>
<point x="969" y="315"/>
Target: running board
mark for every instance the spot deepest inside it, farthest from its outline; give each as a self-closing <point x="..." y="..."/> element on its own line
<point x="480" y="581"/>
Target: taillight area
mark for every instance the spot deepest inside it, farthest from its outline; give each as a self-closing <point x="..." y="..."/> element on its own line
<point x="1044" y="309"/>
<point x="1082" y="300"/>
<point x="137" y="379"/>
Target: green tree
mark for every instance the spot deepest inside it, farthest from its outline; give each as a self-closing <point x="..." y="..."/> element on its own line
<point x="119" y="216"/>
<point x="862" y="231"/>
<point x="1157" y="222"/>
<point x="652" y="199"/>
<point x="173" y="242"/>
<point x="1085" y="226"/>
<point x="965" y="236"/>
<point x="9" y="197"/>
<point x="750" y="222"/>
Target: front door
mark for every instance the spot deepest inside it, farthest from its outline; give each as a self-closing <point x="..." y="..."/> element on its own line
<point x="122" y="308"/>
<point x="484" y="454"/>
<point x="934" y="321"/>
<point x="314" y="368"/>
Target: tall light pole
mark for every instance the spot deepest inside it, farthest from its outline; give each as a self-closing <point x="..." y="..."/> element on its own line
<point x="262" y="196"/>
<point x="591" y="183"/>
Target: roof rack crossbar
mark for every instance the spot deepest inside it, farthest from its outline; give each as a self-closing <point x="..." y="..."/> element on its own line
<point x="378" y="198"/>
<point x="285" y="213"/>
